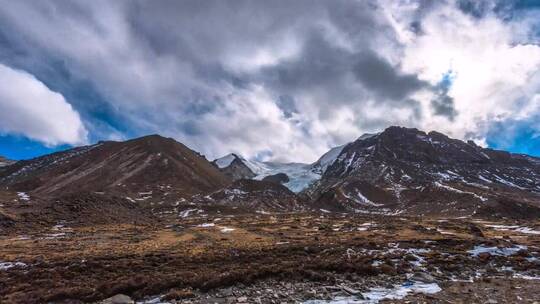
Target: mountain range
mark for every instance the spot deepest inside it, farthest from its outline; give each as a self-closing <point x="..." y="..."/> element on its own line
<point x="397" y="171"/>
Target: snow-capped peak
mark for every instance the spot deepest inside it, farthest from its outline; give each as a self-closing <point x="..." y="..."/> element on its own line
<point x="327" y="159"/>
<point x="367" y="135"/>
<point x="300" y="175"/>
<point x="225" y="161"/>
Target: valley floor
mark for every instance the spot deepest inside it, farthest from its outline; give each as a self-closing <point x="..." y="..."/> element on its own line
<point x="276" y="258"/>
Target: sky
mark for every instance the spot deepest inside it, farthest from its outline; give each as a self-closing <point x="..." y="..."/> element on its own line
<point x="271" y="80"/>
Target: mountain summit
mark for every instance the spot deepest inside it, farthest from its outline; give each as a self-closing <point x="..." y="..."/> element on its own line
<point x="402" y="170"/>
<point x="142" y="165"/>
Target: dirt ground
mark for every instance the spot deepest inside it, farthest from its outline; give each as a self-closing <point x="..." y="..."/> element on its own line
<point x="273" y="258"/>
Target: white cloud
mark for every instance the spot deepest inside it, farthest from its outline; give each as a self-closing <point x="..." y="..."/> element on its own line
<point x="209" y="73"/>
<point x="491" y="71"/>
<point x="29" y="108"/>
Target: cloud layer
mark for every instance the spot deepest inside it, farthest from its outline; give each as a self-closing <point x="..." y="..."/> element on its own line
<point x="28" y="107"/>
<point x="282" y="80"/>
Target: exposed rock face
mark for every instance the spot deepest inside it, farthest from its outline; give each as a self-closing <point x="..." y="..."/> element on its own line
<point x="144" y="164"/>
<point x="409" y="171"/>
<point x="234" y="167"/>
<point x="279" y="178"/>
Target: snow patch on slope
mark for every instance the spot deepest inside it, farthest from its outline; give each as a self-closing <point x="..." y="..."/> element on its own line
<point x="327" y="159"/>
<point x="300" y="175"/>
<point x="225" y="161"/>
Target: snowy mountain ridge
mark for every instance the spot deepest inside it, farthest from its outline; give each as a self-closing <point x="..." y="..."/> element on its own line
<point x="301" y="175"/>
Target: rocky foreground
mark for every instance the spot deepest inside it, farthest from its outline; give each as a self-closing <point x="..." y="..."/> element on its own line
<point x="274" y="258"/>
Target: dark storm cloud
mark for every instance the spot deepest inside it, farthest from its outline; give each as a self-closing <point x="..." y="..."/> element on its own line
<point x="379" y="76"/>
<point x="444" y="106"/>
<point x="287" y="105"/>
<point x="442" y="103"/>
<point x="339" y="76"/>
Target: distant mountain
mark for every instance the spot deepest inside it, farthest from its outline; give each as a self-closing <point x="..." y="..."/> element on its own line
<point x="5" y="162"/>
<point x="398" y="171"/>
<point x="299" y="176"/>
<point x="409" y="171"/>
<point x="139" y="169"/>
<point x="234" y="167"/>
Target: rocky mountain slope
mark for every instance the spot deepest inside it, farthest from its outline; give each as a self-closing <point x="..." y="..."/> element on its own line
<point x="234" y="166"/>
<point x="138" y="169"/>
<point x="409" y="171"/>
<point x="253" y="196"/>
<point x="79" y="209"/>
<point x="397" y="171"/>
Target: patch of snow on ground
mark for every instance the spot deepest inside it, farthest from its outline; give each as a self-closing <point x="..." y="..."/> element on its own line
<point x="188" y="212"/>
<point x="506" y="251"/>
<point x="525" y="230"/>
<point x="232" y="193"/>
<point x="226" y="229"/>
<point x="445" y="232"/>
<point x="23" y="196"/>
<point x="375" y="295"/>
<point x="153" y="301"/>
<point x="8" y="265"/>
<point x="525" y="277"/>
<point x="52" y="236"/>
<point x="206" y="225"/>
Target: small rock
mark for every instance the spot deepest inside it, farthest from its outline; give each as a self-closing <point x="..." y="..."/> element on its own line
<point x="118" y="299"/>
<point x="227" y="292"/>
<point x="351" y="291"/>
<point x="242" y="300"/>
<point x="476" y="231"/>
<point x="484" y="256"/>
<point x="423" y="277"/>
<point x="178" y="294"/>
